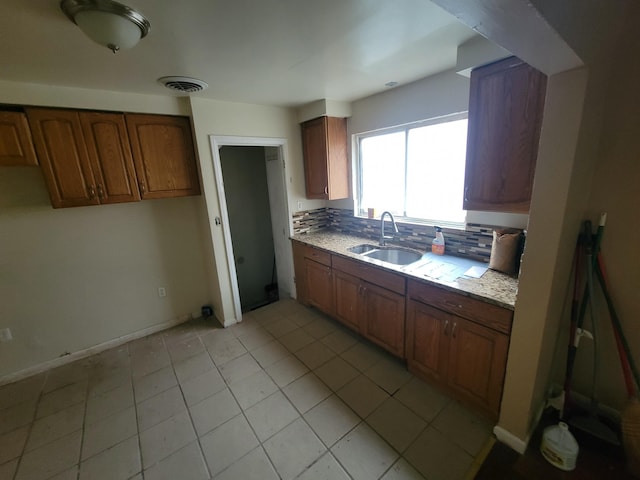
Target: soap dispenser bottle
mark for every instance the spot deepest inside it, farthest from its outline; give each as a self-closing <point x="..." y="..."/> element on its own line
<point x="437" y="246"/>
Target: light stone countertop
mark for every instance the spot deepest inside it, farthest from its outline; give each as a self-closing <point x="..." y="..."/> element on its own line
<point x="492" y="287"/>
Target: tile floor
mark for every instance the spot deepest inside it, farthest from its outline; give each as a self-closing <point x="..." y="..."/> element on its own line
<point x="287" y="393"/>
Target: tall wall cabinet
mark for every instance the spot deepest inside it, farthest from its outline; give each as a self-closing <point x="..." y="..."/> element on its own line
<point x="326" y="169"/>
<point x="506" y="103"/>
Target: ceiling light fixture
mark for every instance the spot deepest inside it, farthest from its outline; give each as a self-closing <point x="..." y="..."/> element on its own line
<point x="107" y="23"/>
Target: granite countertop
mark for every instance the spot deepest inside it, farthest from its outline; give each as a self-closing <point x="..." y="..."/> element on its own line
<point x="446" y="271"/>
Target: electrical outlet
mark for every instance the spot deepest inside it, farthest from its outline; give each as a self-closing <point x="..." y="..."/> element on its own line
<point x="162" y="292"/>
<point x="5" y="335"/>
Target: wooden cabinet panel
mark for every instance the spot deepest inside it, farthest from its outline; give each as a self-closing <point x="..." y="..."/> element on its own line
<point x="111" y="162"/>
<point x="477" y="363"/>
<point x="347" y="290"/>
<point x="505" y="114"/>
<point x="164" y="156"/>
<point x="485" y="313"/>
<point x="300" y="271"/>
<point x="319" y="281"/>
<point x="324" y="144"/>
<point x="372" y="274"/>
<point x="62" y="151"/>
<point x="466" y="357"/>
<point x="427" y="350"/>
<point x="383" y="318"/>
<point x="16" y="145"/>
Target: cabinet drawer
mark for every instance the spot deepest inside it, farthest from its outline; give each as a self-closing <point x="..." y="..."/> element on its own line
<point x="478" y="311"/>
<point x="377" y="276"/>
<point x="316" y="255"/>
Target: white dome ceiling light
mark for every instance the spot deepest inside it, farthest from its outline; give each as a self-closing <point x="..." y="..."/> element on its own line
<point x="107" y="23"/>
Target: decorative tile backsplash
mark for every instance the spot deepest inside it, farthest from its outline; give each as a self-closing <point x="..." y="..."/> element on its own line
<point x="473" y="242"/>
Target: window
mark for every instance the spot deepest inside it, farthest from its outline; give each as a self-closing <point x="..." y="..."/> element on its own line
<point x="415" y="172"/>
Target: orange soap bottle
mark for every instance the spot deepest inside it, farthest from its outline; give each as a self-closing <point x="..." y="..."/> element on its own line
<point x="437" y="246"/>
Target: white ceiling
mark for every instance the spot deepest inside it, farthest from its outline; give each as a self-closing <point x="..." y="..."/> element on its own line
<point x="275" y="52"/>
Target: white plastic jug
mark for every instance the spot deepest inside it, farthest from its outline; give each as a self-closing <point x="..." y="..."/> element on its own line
<point x="559" y="447"/>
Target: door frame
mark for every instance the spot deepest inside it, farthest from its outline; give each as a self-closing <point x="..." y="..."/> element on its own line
<point x="217" y="142"/>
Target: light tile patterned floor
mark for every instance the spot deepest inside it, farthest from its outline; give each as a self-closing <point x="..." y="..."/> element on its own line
<point x="287" y="393"/>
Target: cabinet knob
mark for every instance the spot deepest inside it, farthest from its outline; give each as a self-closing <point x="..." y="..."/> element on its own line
<point x="326" y="190"/>
<point x="100" y="191"/>
<point x="143" y="188"/>
<point x="92" y="192"/>
<point x="453" y="330"/>
<point x="446" y="324"/>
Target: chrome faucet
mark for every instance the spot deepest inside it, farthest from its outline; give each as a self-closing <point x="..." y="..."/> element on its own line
<point x="383" y="237"/>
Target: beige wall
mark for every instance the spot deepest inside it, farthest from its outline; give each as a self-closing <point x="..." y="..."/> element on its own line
<point x="616" y="190"/>
<point x="211" y="117"/>
<point x="74" y="278"/>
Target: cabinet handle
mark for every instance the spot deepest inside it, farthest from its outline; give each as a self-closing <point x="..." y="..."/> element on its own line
<point x="100" y="191"/>
<point x="326" y="190"/>
<point x="92" y="192"/>
<point x="453" y="331"/>
<point x="446" y="324"/>
<point x="452" y="304"/>
<point x="143" y="188"/>
<point x="466" y="194"/>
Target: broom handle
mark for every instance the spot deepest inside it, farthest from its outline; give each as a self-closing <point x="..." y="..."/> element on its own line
<point x="616" y="323"/>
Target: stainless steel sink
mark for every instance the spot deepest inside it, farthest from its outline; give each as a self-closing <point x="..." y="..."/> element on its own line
<point x="362" y="248"/>
<point x="394" y="255"/>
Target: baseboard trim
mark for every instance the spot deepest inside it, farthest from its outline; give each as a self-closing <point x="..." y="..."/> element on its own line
<point x="509" y="439"/>
<point x="116" y="342"/>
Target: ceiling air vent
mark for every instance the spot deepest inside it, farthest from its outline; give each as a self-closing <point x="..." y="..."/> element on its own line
<point x="183" y="84"/>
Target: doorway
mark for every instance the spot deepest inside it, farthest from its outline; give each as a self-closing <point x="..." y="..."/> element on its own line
<point x="244" y="173"/>
<point x="250" y="176"/>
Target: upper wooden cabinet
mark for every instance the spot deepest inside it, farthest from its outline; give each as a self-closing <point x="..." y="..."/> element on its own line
<point x="110" y="156"/>
<point x="505" y="113"/>
<point x="16" y="146"/>
<point x="164" y="156"/>
<point x="324" y="144"/>
<point x="85" y="156"/>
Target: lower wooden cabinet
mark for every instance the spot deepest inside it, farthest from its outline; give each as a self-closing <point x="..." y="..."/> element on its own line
<point x="314" y="278"/>
<point x="383" y="317"/>
<point x="347" y="296"/>
<point x="319" y="281"/>
<point x="466" y="358"/>
<point x="373" y="311"/>
<point x="455" y="342"/>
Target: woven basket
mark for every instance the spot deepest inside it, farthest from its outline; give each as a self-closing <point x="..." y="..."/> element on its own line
<point x="631" y="435"/>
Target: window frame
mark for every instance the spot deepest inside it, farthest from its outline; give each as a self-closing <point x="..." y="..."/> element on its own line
<point x="358" y="211"/>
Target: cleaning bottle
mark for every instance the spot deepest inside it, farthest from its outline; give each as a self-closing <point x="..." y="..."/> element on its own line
<point x="437" y="246"/>
<point x="559" y="447"/>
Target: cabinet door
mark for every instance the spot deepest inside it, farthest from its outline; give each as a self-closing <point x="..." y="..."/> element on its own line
<point x="319" y="283"/>
<point x="326" y="168"/>
<point x="16" y="146"/>
<point x="477" y="360"/>
<point x="163" y="155"/>
<point x="300" y="272"/>
<point x="347" y="299"/>
<point x="505" y="114"/>
<point x="383" y="317"/>
<point x="314" y="145"/>
<point x="427" y="343"/>
<point x="62" y="151"/>
<point x="111" y="162"/>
